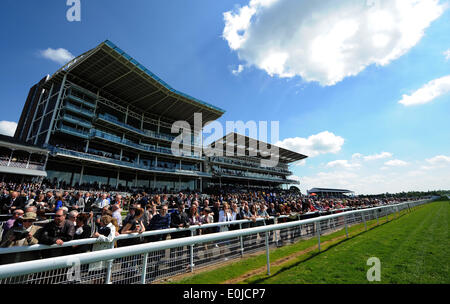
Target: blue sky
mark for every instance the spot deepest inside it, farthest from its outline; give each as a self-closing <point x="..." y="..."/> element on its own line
<point x="337" y="119"/>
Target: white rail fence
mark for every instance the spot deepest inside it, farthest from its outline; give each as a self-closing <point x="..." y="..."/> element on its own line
<point x="149" y="262"/>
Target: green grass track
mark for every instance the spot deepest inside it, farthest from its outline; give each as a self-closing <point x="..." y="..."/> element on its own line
<point x="412" y="249"/>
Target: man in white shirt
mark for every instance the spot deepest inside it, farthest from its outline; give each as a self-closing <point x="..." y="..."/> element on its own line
<point x="104" y="202"/>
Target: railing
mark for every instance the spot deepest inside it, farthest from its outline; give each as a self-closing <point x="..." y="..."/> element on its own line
<point x="247" y="176"/>
<point x="148" y="262"/>
<point x="147" y="133"/>
<point x="143" y="147"/>
<point x="79" y="110"/>
<point x="23" y="165"/>
<point x="249" y="165"/>
<point x="80" y="100"/>
<point x="76" y="120"/>
<point x="124" y="163"/>
<point x="73" y="131"/>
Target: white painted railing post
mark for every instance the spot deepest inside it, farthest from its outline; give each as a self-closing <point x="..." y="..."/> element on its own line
<point x="191" y="251"/>
<point x="144" y="268"/>
<point x="267" y="252"/>
<point x="275" y="221"/>
<point x="364" y="219"/>
<point x="318" y="233"/>
<point x="109" y="268"/>
<point x="241" y="241"/>
<point x="346" y="226"/>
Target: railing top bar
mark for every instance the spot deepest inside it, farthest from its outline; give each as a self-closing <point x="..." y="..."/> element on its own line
<point x="18" y="269"/>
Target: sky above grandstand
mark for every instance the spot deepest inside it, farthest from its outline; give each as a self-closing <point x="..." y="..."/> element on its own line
<point x="361" y="87"/>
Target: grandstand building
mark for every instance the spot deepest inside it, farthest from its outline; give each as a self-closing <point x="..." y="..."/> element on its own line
<point x="244" y="168"/>
<point x="327" y="192"/>
<point x="21" y="162"/>
<point x="106" y="120"/>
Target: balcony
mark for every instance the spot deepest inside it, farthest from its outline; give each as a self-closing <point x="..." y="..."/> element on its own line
<point x="249" y="165"/>
<point x="21" y="165"/>
<point x="147" y="133"/>
<point x="76" y="120"/>
<point x="73" y="131"/>
<point x="80" y="101"/>
<point x="141" y="147"/>
<point x="78" y="110"/>
<point x="131" y="165"/>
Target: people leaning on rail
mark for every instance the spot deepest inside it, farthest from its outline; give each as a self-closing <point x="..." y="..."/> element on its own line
<point x="78" y="213"/>
<point x="23" y="233"/>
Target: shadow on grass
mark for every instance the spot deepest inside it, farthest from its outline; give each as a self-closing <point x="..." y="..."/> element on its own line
<point x="314" y="254"/>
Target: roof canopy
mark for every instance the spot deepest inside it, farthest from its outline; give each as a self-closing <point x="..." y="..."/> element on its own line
<point x="122" y="79"/>
<point x="234" y="140"/>
<point x="16" y="144"/>
<point x="319" y="190"/>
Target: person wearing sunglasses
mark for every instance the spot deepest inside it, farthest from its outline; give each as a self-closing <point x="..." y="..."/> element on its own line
<point x="57" y="232"/>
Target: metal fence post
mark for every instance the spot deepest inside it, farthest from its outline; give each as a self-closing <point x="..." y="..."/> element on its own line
<point x="376" y="215"/>
<point x="267" y="252"/>
<point x="241" y="240"/>
<point x="275" y="221"/>
<point x="364" y="219"/>
<point x="346" y="226"/>
<point x="191" y="252"/>
<point x="318" y="232"/>
<point x="144" y="268"/>
<point x="109" y="268"/>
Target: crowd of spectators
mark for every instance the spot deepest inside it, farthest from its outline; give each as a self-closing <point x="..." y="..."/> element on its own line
<point x="79" y="214"/>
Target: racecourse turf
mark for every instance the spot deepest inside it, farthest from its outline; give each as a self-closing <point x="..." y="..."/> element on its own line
<point x="412" y="249"/>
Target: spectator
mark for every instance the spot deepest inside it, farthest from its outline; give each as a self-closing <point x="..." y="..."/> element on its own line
<point x="57" y="232"/>
<point x="194" y="217"/>
<point x="72" y="217"/>
<point x="59" y="201"/>
<point x="10" y="223"/>
<point x="14" y="202"/>
<point x="105" y="235"/>
<point x="178" y="219"/>
<point x="116" y="213"/>
<point x="158" y="222"/>
<point x="23" y="234"/>
<point x="82" y="231"/>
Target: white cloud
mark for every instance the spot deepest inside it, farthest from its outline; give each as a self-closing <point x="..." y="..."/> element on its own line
<point x="8" y="127"/>
<point x="322" y="143"/>
<point x="429" y="92"/>
<point x="430" y="174"/>
<point x="439" y="160"/>
<point x="342" y="163"/>
<point x="238" y="70"/>
<point x="357" y="156"/>
<point x="61" y="56"/>
<point x="326" y="41"/>
<point x="447" y="54"/>
<point x="378" y="156"/>
<point x="396" y="163"/>
<point x="300" y="163"/>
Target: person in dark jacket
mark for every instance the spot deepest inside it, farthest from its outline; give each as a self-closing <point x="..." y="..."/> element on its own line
<point x="179" y="219"/>
<point x="82" y="231"/>
<point x="14" y="202"/>
<point x="158" y="222"/>
<point x="57" y="232"/>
